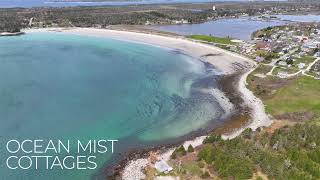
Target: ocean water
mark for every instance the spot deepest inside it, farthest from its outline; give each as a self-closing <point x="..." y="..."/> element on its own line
<point x="55" y="86"/>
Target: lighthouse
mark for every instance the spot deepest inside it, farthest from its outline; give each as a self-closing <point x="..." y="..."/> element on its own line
<point x="214" y="8"/>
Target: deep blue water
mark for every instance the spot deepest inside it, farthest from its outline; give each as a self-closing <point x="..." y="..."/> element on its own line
<point x="55" y="86"/>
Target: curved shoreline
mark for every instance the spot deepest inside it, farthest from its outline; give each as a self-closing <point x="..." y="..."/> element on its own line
<point x="195" y="49"/>
<point x="228" y="63"/>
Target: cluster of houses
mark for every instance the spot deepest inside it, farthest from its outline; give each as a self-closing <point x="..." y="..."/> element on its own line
<point x="285" y="46"/>
<point x="316" y="69"/>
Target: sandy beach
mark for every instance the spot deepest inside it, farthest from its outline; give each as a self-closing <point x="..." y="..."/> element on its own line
<point x="227" y="63"/>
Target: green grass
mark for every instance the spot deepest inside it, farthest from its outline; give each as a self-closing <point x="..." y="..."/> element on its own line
<point x="312" y="73"/>
<point x="223" y="46"/>
<point x="261" y="69"/>
<point x="305" y="59"/>
<point x="289" y="70"/>
<point x="212" y="39"/>
<point x="268" y="56"/>
<point x="300" y="96"/>
<point x="192" y="168"/>
<point x="293" y="69"/>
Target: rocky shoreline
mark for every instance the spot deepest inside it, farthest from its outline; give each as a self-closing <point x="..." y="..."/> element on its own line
<point x="135" y="163"/>
<point x="138" y="159"/>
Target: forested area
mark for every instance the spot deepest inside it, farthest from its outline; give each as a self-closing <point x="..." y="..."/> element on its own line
<point x="9" y="23"/>
<point x="288" y="153"/>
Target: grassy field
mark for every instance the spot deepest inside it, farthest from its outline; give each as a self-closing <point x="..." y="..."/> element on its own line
<point x="261" y="69"/>
<point x="286" y="96"/>
<point x="256" y="84"/>
<point x="212" y="39"/>
<point x="303" y="95"/>
<point x="289" y="70"/>
<point x="268" y="56"/>
<point x="294" y="68"/>
<point x="306" y="60"/>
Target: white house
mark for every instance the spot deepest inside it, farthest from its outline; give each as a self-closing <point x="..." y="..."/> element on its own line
<point x="282" y="74"/>
<point x="162" y="166"/>
<point x="301" y="65"/>
<point x="259" y="59"/>
<point x="282" y="63"/>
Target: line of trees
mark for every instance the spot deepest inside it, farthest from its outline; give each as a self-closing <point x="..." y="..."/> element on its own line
<point x="10" y="24"/>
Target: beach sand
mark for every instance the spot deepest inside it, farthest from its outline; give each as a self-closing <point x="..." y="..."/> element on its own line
<point x="225" y="62"/>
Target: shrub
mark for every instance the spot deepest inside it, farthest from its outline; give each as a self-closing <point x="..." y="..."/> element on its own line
<point x="205" y="175"/>
<point x="180" y="151"/>
<point x="212" y="139"/>
<point x="247" y="133"/>
<point x="201" y="164"/>
<point x="190" y="148"/>
<point x="206" y="154"/>
<point x="173" y="155"/>
<point x="229" y="166"/>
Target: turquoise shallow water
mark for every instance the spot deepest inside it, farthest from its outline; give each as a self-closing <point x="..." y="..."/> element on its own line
<point x="55" y="86"/>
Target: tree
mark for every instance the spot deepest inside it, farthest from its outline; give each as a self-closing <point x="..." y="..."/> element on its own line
<point x="190" y="148"/>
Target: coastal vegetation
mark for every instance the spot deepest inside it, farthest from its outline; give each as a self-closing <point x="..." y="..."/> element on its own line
<point x="266" y="32"/>
<point x="295" y="98"/>
<point x="300" y="97"/>
<point x="10" y="24"/>
<point x="286" y="152"/>
<point x="212" y="39"/>
<point x="180" y="151"/>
